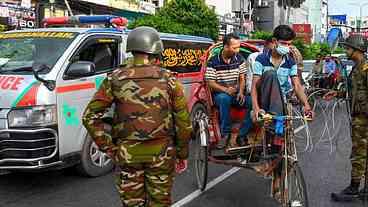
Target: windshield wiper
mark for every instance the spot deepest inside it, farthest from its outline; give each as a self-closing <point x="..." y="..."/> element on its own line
<point x="36" y="68"/>
<point x="21" y="69"/>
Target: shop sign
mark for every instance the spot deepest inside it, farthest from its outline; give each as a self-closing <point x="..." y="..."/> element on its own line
<point x="146" y="7"/>
<point x="18" y="15"/>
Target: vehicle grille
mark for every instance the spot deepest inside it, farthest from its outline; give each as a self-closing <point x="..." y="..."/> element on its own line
<point x="27" y="145"/>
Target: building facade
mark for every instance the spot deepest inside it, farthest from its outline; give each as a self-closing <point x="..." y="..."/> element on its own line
<point x="299" y="15"/>
<point x="268" y="14"/>
<point x="318" y="18"/>
<point x="355" y="22"/>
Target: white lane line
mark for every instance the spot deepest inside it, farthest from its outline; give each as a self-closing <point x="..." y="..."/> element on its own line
<point x="210" y="185"/>
<point x="299" y="129"/>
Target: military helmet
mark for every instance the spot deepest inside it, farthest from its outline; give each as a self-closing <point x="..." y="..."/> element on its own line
<point x="144" y="39"/>
<point x="357" y="41"/>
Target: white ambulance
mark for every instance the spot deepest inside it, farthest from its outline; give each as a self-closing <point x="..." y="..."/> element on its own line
<point x="47" y="77"/>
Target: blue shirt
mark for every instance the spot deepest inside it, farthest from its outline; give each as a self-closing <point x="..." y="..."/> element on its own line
<point x="285" y="71"/>
<point x="330" y="67"/>
<point x="226" y="74"/>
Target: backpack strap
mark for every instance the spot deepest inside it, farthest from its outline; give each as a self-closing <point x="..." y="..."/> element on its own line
<point x="170" y="80"/>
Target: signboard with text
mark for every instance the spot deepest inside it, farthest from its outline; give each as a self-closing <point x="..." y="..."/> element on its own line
<point x="304" y="32"/>
<point x="18" y="16"/>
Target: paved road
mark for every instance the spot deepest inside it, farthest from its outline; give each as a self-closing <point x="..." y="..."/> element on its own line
<point x="324" y="161"/>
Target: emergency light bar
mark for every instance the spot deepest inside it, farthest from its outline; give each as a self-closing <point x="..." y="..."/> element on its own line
<point x="79" y="19"/>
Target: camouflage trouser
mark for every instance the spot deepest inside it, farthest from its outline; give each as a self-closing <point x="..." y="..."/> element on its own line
<point x="359" y="150"/>
<point x="147" y="184"/>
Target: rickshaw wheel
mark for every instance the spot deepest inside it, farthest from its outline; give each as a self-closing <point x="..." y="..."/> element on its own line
<point x="201" y="159"/>
<point x="292" y="184"/>
<point x="198" y="112"/>
<point x="294" y="192"/>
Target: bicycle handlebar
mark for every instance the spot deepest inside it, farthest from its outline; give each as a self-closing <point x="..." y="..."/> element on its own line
<point x="263" y="116"/>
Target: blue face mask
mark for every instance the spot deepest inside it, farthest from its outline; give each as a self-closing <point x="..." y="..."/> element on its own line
<point x="282" y="50"/>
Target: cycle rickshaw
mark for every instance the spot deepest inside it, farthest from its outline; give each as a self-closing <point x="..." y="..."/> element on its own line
<point x="292" y="189"/>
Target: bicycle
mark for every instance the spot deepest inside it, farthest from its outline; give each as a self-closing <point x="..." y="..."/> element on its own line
<point x="292" y="190"/>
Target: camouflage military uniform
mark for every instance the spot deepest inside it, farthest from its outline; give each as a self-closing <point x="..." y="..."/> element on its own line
<point x="359" y="94"/>
<point x="148" y="101"/>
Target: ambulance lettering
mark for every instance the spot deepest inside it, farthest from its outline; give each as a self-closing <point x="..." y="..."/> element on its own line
<point x="10" y="82"/>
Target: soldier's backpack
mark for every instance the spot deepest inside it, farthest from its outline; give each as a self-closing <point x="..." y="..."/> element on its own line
<point x="143" y="120"/>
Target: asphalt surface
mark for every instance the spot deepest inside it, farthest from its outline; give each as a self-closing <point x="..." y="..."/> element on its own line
<point x="324" y="159"/>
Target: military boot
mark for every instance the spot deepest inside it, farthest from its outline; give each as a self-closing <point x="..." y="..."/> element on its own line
<point x="348" y="194"/>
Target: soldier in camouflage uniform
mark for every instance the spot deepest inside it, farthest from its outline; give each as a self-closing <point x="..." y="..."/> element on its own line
<point x="356" y="46"/>
<point x="151" y="125"/>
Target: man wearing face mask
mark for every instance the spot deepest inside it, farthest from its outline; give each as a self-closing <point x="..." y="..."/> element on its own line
<point x="270" y="87"/>
<point x="271" y="72"/>
<point x="356" y="46"/>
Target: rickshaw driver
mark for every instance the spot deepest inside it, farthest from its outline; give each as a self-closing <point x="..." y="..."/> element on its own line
<point x="226" y="77"/>
<point x="271" y="72"/>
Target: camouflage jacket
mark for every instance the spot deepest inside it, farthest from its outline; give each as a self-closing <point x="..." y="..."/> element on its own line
<point x="148" y="101"/>
<point x="359" y="91"/>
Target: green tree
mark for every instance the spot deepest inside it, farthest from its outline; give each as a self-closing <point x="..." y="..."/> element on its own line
<point x="262" y="35"/>
<point x="191" y="17"/>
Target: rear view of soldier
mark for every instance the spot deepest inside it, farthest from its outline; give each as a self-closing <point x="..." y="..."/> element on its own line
<point x="151" y="124"/>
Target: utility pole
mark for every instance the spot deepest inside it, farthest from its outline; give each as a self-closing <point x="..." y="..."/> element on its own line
<point x="241" y="16"/>
<point x="68" y="6"/>
<point x="52" y="8"/>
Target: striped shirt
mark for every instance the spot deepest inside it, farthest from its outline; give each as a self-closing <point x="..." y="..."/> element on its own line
<point x="226" y="74"/>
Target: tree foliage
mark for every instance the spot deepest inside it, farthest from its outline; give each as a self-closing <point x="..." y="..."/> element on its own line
<point x="311" y="51"/>
<point x="191" y="17"/>
<point x="261" y="35"/>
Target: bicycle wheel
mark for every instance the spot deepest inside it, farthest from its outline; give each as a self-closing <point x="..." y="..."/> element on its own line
<point x="201" y="159"/>
<point x="294" y="190"/>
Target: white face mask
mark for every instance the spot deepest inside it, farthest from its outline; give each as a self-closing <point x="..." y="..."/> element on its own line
<point x="282" y="50"/>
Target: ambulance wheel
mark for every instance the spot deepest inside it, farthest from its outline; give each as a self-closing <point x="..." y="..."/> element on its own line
<point x="93" y="162"/>
<point x="201" y="160"/>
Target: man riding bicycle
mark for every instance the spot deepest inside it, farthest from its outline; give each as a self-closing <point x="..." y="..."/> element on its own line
<point x="271" y="73"/>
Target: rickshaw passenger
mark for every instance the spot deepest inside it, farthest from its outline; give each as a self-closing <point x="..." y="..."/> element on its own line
<point x="271" y="72"/>
<point x="226" y="73"/>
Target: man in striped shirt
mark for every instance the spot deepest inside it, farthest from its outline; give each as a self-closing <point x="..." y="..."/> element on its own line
<point x="226" y="77"/>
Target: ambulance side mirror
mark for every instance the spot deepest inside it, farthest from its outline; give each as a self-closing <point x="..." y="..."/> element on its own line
<point x="80" y="69"/>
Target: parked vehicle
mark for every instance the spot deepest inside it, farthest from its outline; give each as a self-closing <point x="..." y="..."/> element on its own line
<point x="47" y="77"/>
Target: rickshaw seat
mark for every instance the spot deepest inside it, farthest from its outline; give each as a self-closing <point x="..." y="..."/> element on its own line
<point x="237" y="114"/>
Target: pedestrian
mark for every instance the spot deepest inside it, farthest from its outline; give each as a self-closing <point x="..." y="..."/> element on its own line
<point x="356" y="46"/>
<point x="318" y="65"/>
<point x="151" y="125"/>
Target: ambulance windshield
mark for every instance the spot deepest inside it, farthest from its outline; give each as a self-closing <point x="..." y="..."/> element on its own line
<point x="21" y="50"/>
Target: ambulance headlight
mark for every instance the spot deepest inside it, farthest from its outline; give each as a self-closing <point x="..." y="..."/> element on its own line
<point x="33" y="117"/>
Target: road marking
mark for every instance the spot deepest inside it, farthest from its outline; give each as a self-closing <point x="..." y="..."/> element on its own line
<point x="299" y="129"/>
<point x="210" y="185"/>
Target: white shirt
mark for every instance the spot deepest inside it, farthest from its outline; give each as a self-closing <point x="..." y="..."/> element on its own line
<point x="251" y="60"/>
